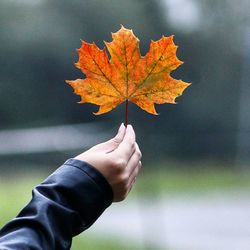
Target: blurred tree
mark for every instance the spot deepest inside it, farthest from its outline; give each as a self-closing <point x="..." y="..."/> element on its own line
<point x="38" y="42"/>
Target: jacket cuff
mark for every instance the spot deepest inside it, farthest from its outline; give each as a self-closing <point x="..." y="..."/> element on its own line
<point x="96" y="176"/>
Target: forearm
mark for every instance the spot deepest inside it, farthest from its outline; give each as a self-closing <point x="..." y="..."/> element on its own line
<point x="64" y="205"/>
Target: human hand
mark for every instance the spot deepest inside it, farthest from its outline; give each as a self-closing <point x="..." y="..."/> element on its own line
<point x="119" y="161"/>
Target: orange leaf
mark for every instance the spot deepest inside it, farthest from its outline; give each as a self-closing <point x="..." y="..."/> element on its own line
<point x="127" y="75"/>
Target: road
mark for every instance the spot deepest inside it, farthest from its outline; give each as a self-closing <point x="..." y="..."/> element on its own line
<point x="187" y="221"/>
<point x="51" y="139"/>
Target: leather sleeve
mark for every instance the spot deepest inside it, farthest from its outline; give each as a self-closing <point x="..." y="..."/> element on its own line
<point x="65" y="204"/>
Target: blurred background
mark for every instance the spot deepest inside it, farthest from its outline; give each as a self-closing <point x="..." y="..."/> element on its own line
<point x="194" y="188"/>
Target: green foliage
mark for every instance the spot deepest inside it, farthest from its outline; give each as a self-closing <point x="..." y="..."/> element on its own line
<point x="201" y="177"/>
<point x="38" y="47"/>
<point x="15" y="192"/>
<point x="97" y="243"/>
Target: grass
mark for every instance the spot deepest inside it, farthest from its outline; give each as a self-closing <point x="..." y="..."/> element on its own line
<point x="98" y="242"/>
<point x="194" y="179"/>
<point x="15" y="192"/>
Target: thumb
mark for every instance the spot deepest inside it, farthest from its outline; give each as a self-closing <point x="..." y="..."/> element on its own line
<point x="113" y="143"/>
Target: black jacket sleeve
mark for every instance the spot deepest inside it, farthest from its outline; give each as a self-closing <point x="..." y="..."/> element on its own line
<point x="64" y="205"/>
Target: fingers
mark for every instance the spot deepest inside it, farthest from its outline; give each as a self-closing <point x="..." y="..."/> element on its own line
<point x="134" y="165"/>
<point x="133" y="176"/>
<point x="130" y="172"/>
<point x="125" y="162"/>
<point x="134" y="160"/>
<point x="119" y="136"/>
<point x="113" y="143"/>
<point x="127" y="147"/>
<point x="118" y="160"/>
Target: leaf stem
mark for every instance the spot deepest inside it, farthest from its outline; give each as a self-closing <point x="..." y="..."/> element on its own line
<point x="126" y="114"/>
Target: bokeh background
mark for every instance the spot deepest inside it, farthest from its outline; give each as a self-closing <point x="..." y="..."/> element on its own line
<point x="195" y="154"/>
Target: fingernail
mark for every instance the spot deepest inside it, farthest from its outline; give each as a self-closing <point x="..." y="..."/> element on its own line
<point x="121" y="127"/>
<point x="130" y="126"/>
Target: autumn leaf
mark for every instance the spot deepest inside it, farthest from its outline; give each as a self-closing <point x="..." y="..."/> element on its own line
<point x="126" y="75"/>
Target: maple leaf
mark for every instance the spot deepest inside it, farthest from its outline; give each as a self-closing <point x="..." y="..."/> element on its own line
<point x="128" y="76"/>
